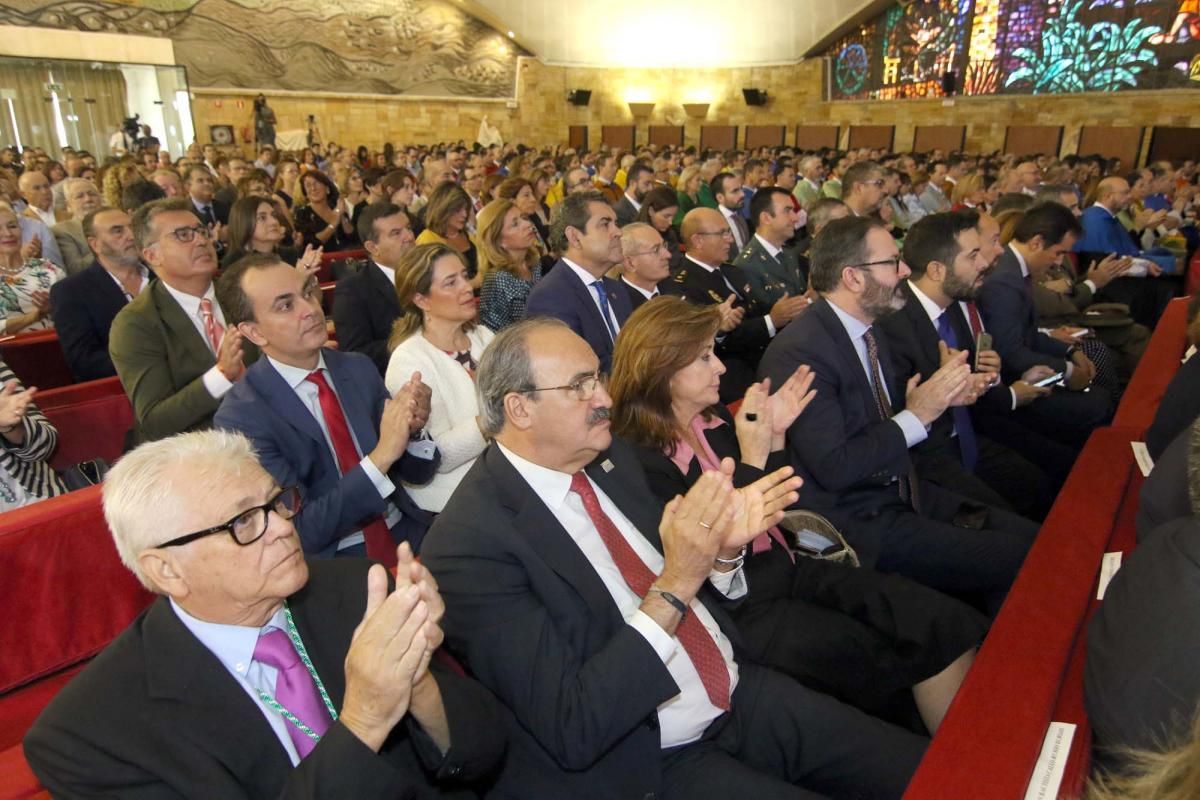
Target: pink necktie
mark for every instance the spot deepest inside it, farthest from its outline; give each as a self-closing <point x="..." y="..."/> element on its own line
<point x="213" y="330"/>
<point x="294" y="688"/>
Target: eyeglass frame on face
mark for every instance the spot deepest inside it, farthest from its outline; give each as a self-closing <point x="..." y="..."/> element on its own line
<point x="723" y="233"/>
<point x="582" y="394"/>
<point x="653" y="251"/>
<point x="266" y="509"/>
<point x="196" y="230"/>
<point x="895" y="262"/>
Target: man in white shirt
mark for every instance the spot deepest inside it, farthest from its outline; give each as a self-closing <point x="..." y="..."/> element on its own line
<point x="38" y="196"/>
<point x="170" y="345"/>
<point x="727" y="190"/>
<point x="596" y="615"/>
<point x="647" y="262"/>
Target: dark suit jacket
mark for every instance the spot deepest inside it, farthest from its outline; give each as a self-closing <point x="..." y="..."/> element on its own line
<point x="364" y="307"/>
<point x="846" y="454"/>
<point x="1178" y="409"/>
<point x="161" y="359"/>
<point x="626" y="213"/>
<point x="84" y="306"/>
<point x="1141" y="685"/>
<point x="1008" y="312"/>
<point x="1165" y="494"/>
<point x="537" y="626"/>
<point x="156" y="715"/>
<point x="220" y="210"/>
<point x="560" y="294"/>
<point x="636" y="298"/>
<point x="291" y="447"/>
<point x="770" y="277"/>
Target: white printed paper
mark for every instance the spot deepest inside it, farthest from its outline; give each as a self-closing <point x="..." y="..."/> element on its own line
<point x="1108" y="568"/>
<point x="1142" y="456"/>
<point x="1051" y="763"/>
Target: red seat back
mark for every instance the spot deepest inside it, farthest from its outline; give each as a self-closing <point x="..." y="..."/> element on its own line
<point x="89" y="427"/>
<point x="1154" y="371"/>
<point x="37" y="359"/>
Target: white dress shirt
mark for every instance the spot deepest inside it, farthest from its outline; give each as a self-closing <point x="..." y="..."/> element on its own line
<point x="307" y="391"/>
<point x="214" y="380"/>
<point x="588" y="280"/>
<point x="912" y="428"/>
<point x="144" y="279"/>
<point x="648" y="295"/>
<point x="633" y="201"/>
<point x="729" y="214"/>
<point x="233" y="645"/>
<point x="683" y="718"/>
<point x="49" y="218"/>
<point x="388" y="272"/>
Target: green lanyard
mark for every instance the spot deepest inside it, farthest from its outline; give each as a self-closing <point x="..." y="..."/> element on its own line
<point x="274" y="705"/>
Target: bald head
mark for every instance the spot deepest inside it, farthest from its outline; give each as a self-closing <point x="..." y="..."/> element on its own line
<point x="707" y="236"/>
<point x="35" y="189"/>
<point x="1113" y="193"/>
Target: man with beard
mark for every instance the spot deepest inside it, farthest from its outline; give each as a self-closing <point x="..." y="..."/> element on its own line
<point x="84" y="305"/>
<point x="639" y="180"/>
<point x="852" y="443"/>
<point x="945" y="254"/>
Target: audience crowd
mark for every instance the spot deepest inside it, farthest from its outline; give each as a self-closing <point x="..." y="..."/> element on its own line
<point x="718" y="464"/>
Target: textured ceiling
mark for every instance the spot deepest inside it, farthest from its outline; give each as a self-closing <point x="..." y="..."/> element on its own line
<point x="668" y="33"/>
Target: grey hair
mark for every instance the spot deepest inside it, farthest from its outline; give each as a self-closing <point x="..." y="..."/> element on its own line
<point x="147" y="488"/>
<point x="70" y="183"/>
<point x="629" y="236"/>
<point x="504" y="368"/>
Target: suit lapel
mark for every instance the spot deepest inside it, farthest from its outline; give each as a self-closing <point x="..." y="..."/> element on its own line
<point x="354" y="402"/>
<point x="583" y="295"/>
<point x="190" y="344"/>
<point x="847" y="354"/>
<point x="276" y="393"/>
<point x="382" y="288"/>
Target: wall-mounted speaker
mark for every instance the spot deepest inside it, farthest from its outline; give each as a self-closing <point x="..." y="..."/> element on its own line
<point x="579" y="97"/>
<point x="755" y="97"/>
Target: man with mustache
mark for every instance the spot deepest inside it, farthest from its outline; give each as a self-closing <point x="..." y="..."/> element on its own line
<point x="852" y="443"/>
<point x="248" y="676"/>
<point x="323" y="420"/>
<point x="85" y="304"/>
<point x="946" y="256"/>
<point x="597" y="616"/>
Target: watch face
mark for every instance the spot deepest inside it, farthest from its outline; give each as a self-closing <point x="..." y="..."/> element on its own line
<point x="221" y="134"/>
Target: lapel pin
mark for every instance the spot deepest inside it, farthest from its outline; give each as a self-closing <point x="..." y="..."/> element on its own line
<point x="606" y="465"/>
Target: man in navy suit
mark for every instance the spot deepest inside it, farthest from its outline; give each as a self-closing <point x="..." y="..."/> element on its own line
<point x="83" y="305"/>
<point x="852" y="443"/>
<point x="1040" y="240"/>
<point x="576" y="291"/>
<point x="365" y="305"/>
<point x="322" y="419"/>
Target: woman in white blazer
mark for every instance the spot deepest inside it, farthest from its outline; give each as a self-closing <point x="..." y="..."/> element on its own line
<point x="438" y="337"/>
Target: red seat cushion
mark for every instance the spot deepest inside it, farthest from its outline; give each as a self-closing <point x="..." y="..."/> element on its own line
<point x="1154" y="371"/>
<point x="17" y="781"/>
<point x="37" y="359"/>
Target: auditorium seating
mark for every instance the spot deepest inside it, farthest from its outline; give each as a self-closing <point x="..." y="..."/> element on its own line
<point x="92" y="419"/>
<point x="334" y="264"/>
<point x="37" y="359"/>
<point x="1029" y="671"/>
<point x="1158" y="365"/>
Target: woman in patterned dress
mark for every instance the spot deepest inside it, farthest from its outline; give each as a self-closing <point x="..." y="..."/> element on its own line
<point x="508" y="262"/>
<point x="24" y="282"/>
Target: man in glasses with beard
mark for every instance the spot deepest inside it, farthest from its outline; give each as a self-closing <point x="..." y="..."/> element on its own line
<point x="851" y="445"/>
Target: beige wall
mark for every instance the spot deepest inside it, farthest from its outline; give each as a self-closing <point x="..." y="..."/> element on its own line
<point x="49" y="43"/>
<point x="543" y="114"/>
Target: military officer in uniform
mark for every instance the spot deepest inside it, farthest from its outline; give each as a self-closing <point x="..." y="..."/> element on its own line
<point x="772" y="271"/>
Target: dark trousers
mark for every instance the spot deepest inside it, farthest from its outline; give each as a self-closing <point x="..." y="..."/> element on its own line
<point x="780" y="737"/>
<point x="979" y="565"/>
<point x="1053" y="457"/>
<point x="1002" y="479"/>
<point x="1066" y="416"/>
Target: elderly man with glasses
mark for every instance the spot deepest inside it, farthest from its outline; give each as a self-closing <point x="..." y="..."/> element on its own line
<point x="255" y="673"/>
<point x="170" y="345"/>
<point x="852" y="443"/>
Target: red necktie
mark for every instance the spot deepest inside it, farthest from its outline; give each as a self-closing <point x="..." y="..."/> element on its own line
<point x="212" y="329"/>
<point x="973" y="317"/>
<point x="378" y="537"/>
<point x="691" y="633"/>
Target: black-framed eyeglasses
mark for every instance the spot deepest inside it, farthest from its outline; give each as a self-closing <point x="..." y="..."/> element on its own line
<point x="893" y="262"/>
<point x="188" y="234"/>
<point x="250" y="525"/>
<point x="583" y="388"/>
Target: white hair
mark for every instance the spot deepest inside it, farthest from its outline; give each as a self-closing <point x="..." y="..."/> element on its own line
<point x="146" y="490"/>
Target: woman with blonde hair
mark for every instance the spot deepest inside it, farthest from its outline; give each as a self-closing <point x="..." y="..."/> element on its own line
<point x="882" y="643"/>
<point x="509" y="262"/>
<point x="969" y="192"/>
<point x="437" y="336"/>
<point x="446" y="216"/>
<point x="687" y="191"/>
<point x="523" y="195"/>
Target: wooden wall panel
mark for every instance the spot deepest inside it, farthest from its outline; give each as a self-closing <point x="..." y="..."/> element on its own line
<point x="666" y="135"/>
<point x="1122" y="143"/>
<point x="718" y="137"/>
<point x="947" y="138"/>
<point x="814" y="137"/>
<point x="621" y="137"/>
<point x="577" y="136"/>
<point x="764" y="136"/>
<point x="872" y="136"/>
<point x="1175" y="144"/>
<point x="1030" y="140"/>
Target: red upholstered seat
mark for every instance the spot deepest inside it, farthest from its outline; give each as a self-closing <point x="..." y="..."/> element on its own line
<point x="1030" y="668"/>
<point x="1158" y="365"/>
<point x="37" y="359"/>
<point x="325" y="274"/>
<point x="17" y="781"/>
<point x="92" y="420"/>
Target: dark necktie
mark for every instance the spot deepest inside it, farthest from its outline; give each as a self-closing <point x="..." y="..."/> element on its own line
<point x="907" y="482"/>
<point x="295" y="689"/>
<point x="376" y="535"/>
<point x="206" y="214"/>
<point x="974" y="318"/>
<point x="962" y="417"/>
<point x="602" y="293"/>
<point x="697" y="642"/>
<point x="743" y="231"/>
